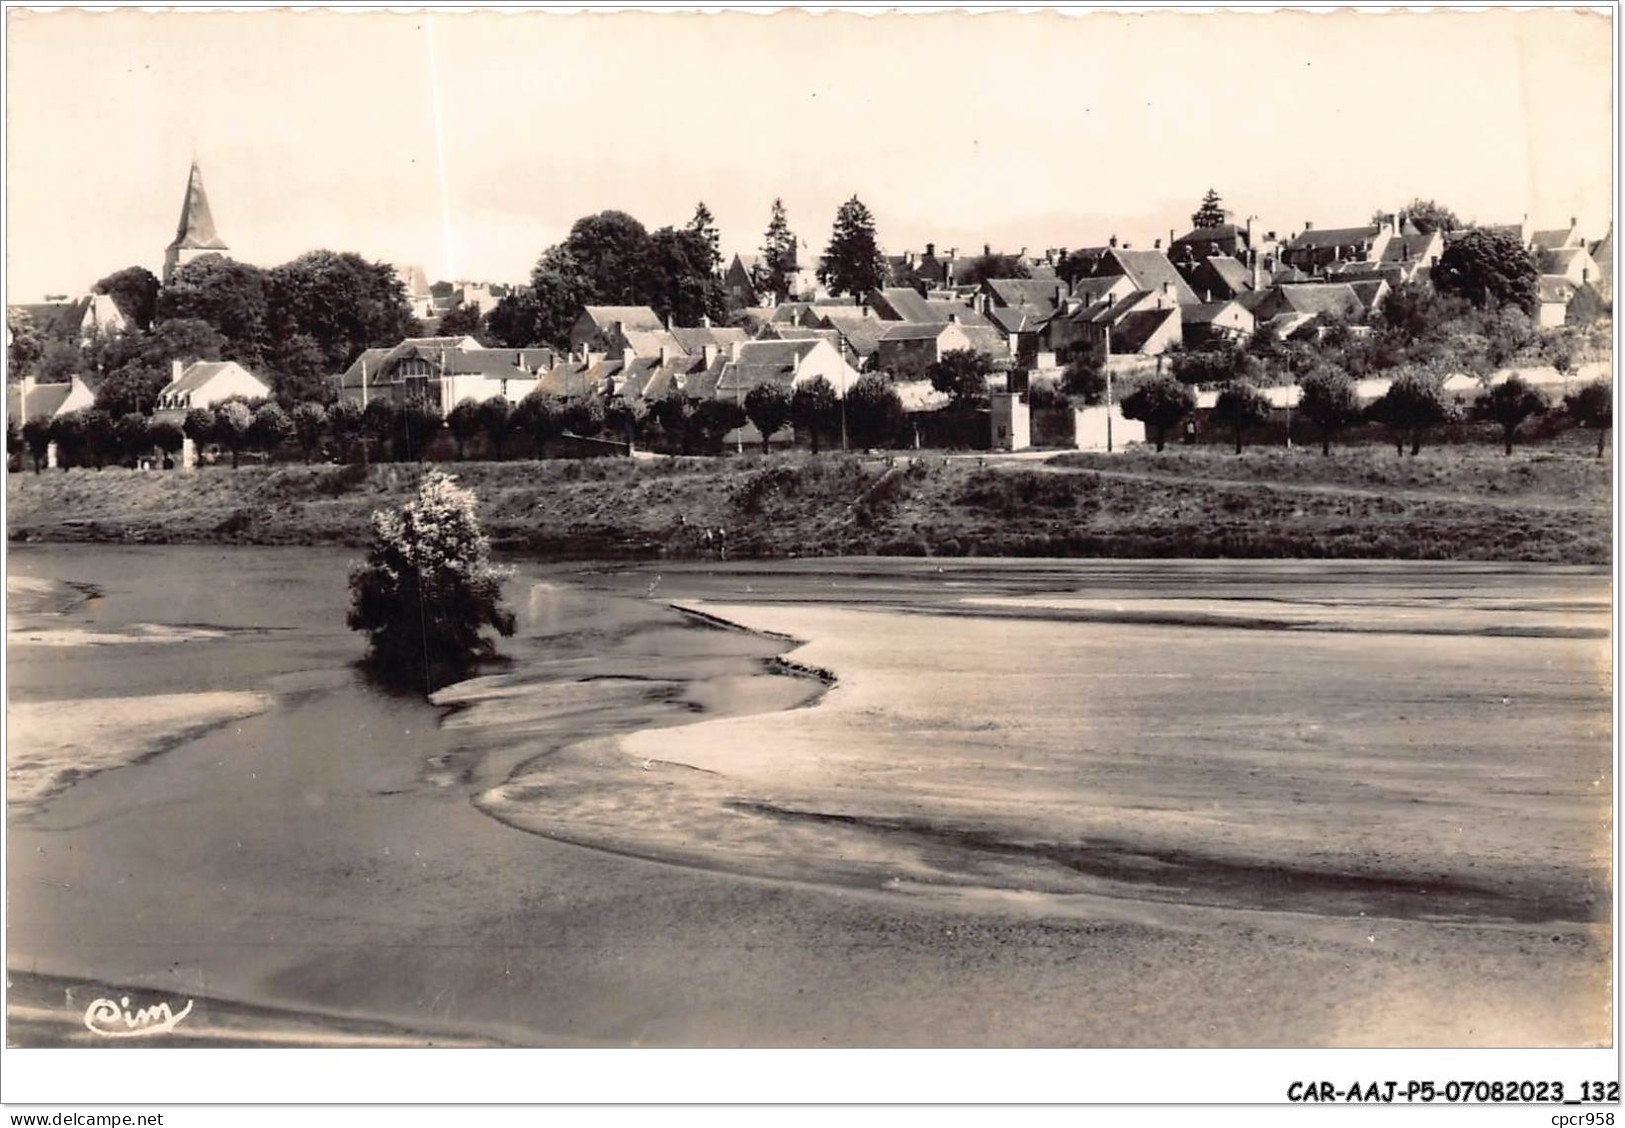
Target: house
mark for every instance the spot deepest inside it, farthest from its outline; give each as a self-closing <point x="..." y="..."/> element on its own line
<point x="1573" y="263"/>
<point x="76" y="321"/>
<point x="859" y="329"/>
<point x="1553" y="293"/>
<point x="1557" y="239"/>
<point x="1142" y="324"/>
<point x="1412" y="253"/>
<point x="28" y="399"/>
<point x="613" y="329"/>
<point x="1227" y="239"/>
<point x="910" y="347"/>
<point x="1311" y="299"/>
<point x="1217" y="277"/>
<point x="692" y="339"/>
<point x="1602" y="253"/>
<point x="900" y="303"/>
<point x="1065" y="330"/>
<point x="1314" y="250"/>
<point x="789" y="364"/>
<point x="1214" y="321"/>
<point x="1147" y="270"/>
<point x="204" y="383"/>
<point x="444" y="371"/>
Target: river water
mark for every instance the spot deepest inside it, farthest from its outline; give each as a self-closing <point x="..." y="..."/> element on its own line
<point x="831" y="802"/>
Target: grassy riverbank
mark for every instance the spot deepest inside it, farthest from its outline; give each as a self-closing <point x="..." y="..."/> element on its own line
<point x="1460" y="503"/>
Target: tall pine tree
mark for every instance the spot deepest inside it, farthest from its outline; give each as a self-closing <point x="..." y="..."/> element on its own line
<point x="1210" y="214"/>
<point x="852" y="264"/>
<point x="778" y="264"/>
<point x="704" y="225"/>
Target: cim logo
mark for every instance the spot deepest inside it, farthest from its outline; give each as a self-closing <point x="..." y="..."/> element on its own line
<point x="116" y="1020"/>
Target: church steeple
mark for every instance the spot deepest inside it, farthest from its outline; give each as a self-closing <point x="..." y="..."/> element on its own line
<point x="196" y="234"/>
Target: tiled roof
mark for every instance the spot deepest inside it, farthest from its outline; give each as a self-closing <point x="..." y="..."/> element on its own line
<point x="199" y="373"/>
<point x="1551" y="240"/>
<point x="1150" y="270"/>
<point x="1408" y="247"/>
<point x="1009" y="292"/>
<point x="1369" y="291"/>
<point x="986" y="339"/>
<point x="1205" y="313"/>
<point x="762" y="362"/>
<point x="1131" y="333"/>
<point x="907" y="304"/>
<point x="44" y="401"/>
<point x="915" y="331"/>
<point x="1323" y="297"/>
<point x="694" y="338"/>
<point x="949" y="310"/>
<point x="1222" y="232"/>
<point x="649" y="342"/>
<point x="1559" y="261"/>
<point x="630" y="317"/>
<point x="1318" y="238"/>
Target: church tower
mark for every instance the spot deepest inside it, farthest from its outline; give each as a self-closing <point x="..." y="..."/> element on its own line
<point x="196" y="235"/>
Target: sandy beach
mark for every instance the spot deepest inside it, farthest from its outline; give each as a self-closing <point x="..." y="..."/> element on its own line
<point x="770" y="861"/>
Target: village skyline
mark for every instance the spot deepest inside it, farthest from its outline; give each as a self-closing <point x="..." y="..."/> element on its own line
<point x="397" y="182"/>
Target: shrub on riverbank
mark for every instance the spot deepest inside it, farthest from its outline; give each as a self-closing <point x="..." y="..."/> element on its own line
<point x="427" y="589"/>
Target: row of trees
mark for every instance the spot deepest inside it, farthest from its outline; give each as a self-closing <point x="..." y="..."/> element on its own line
<point x="1414" y="402"/>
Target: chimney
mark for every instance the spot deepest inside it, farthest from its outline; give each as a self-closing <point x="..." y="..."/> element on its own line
<point x="1023" y="255"/>
<point x="953" y="319"/>
<point x="953" y="253"/>
<point x="987" y="249"/>
<point x="1170" y="238"/>
<point x="709" y="352"/>
<point x="1156" y="244"/>
<point x="628" y="356"/>
<point x="28" y="387"/>
<point x="1308" y="225"/>
<point x="665" y="355"/>
<point x="1112" y="242"/>
<point x="1060" y="293"/>
<point x="733" y="351"/>
<point x="930" y="250"/>
<point x="705" y="321"/>
<point x="175" y="370"/>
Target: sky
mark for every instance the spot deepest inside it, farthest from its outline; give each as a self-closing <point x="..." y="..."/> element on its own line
<point x="468" y="142"/>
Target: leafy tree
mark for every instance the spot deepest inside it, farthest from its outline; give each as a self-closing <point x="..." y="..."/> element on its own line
<point x="778" y="266"/>
<point x="229" y="295"/>
<point x="427" y="589"/>
<point x="135" y="291"/>
<point x="135" y="367"/>
<point x="614" y="253"/>
<point x="1327" y="398"/>
<point x="166" y="436"/>
<point x="1210" y="214"/>
<point x="674" y="412"/>
<point x="853" y="263"/>
<point x="961" y="375"/>
<point x="1426" y="216"/>
<point x="713" y="419"/>
<point x="69" y="433"/>
<point x="626" y="417"/>
<point x="768" y="408"/>
<point x="1240" y="406"/>
<point x="1488" y="268"/>
<point x="1509" y="403"/>
<point x="1414" y="402"/>
<point x="1592" y="405"/>
<point x="415" y="425"/>
<point x="462" y="320"/>
<point x="271" y="428"/>
<point x="131" y="436"/>
<point x="814" y="408"/>
<point x="993" y="266"/>
<point x="465" y="425"/>
<point x="1586" y="307"/>
<point x="1218" y="363"/>
<point x="233" y="423"/>
<point x="498" y="418"/>
<point x="1160" y="403"/>
<point x="688" y="287"/>
<point x="299" y="371"/>
<point x="515" y="321"/>
<point x="1084" y="377"/>
<point x="1415" y="311"/>
<point x="100" y="435"/>
<point x="378" y="426"/>
<point x="14" y="443"/>
<point x="309" y="421"/>
<point x="25" y="347"/>
<point x="198" y="425"/>
<point x="559" y="287"/>
<point x="704" y="228"/>
<point x="346" y="420"/>
<point x="340" y="301"/>
<point x="583" y="417"/>
<point x="37" y="438"/>
<point x="874" y="413"/>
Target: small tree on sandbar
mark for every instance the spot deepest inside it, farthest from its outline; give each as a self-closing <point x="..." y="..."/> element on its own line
<point x="768" y="408"/>
<point x="1240" y="406"/>
<point x="1160" y="403"/>
<point x="1592" y="406"/>
<point x="1509" y="403"/>
<point x="428" y="590"/>
<point x="1330" y="402"/>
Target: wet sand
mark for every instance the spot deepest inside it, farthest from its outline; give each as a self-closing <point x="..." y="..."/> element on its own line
<point x="336" y="855"/>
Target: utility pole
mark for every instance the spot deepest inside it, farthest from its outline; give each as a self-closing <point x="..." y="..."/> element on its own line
<point x="1107" y="364"/>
